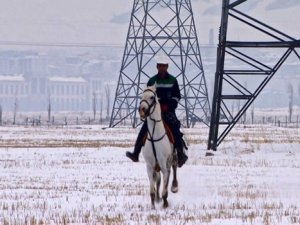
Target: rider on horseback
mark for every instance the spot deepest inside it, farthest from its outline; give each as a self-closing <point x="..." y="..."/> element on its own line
<point x="169" y="95"/>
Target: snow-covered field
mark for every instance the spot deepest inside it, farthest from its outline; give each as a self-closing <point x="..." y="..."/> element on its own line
<point x="80" y="175"/>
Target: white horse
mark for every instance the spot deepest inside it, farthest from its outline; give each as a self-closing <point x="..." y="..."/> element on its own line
<point x="158" y="152"/>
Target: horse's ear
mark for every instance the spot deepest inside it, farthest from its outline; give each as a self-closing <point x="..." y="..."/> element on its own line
<point x="154" y="86"/>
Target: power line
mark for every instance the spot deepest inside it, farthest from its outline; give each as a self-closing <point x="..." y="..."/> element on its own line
<point x="68" y="45"/>
<point x="62" y="44"/>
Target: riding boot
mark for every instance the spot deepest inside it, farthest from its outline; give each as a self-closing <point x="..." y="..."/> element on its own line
<point x="182" y="157"/>
<point x="183" y="141"/>
<point x="138" y="144"/>
<point x="174" y="124"/>
<point x="136" y="152"/>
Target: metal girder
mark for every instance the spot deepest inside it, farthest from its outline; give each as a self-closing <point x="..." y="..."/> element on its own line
<point x="161" y="26"/>
<point x="249" y="64"/>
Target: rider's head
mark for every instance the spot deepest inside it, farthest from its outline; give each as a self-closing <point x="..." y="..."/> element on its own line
<point x="162" y="64"/>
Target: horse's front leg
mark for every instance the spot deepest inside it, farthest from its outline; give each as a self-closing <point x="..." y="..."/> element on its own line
<point x="166" y="177"/>
<point x="157" y="181"/>
<point x="151" y="177"/>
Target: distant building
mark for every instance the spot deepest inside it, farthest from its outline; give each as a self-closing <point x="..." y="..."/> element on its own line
<point x="43" y="79"/>
<point x="64" y="93"/>
<point x="68" y="93"/>
<point x="13" y="90"/>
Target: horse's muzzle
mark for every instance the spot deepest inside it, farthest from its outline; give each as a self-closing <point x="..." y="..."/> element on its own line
<point x="142" y="112"/>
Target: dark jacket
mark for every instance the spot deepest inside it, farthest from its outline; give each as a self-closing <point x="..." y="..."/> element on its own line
<point x="167" y="90"/>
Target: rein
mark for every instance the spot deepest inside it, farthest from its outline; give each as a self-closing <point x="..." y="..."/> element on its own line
<point x="151" y="136"/>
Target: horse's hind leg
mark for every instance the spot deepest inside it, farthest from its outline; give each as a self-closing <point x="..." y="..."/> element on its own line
<point x="174" y="187"/>
<point x="166" y="176"/>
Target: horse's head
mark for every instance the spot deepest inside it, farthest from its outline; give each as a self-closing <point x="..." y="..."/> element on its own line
<point x="148" y="101"/>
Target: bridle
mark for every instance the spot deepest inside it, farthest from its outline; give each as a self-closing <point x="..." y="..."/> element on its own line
<point x="150" y="106"/>
<point x="150" y="110"/>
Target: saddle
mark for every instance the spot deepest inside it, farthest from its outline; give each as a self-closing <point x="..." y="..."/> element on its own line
<point x="168" y="132"/>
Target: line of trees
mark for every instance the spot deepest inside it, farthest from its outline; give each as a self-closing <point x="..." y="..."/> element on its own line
<point x="99" y="99"/>
<point x="107" y="93"/>
<point x="291" y="100"/>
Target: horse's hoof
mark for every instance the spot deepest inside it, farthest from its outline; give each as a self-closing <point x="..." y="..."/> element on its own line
<point x="166" y="204"/>
<point x="209" y="153"/>
<point x="174" y="189"/>
<point x="158" y="200"/>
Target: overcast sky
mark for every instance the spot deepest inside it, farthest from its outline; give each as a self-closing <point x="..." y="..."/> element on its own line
<point x="103" y="21"/>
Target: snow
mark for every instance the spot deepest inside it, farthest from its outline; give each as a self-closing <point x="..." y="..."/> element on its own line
<point x="46" y="178"/>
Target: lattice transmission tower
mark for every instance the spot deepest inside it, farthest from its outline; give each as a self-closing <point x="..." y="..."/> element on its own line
<point x="244" y="67"/>
<point x="161" y="27"/>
